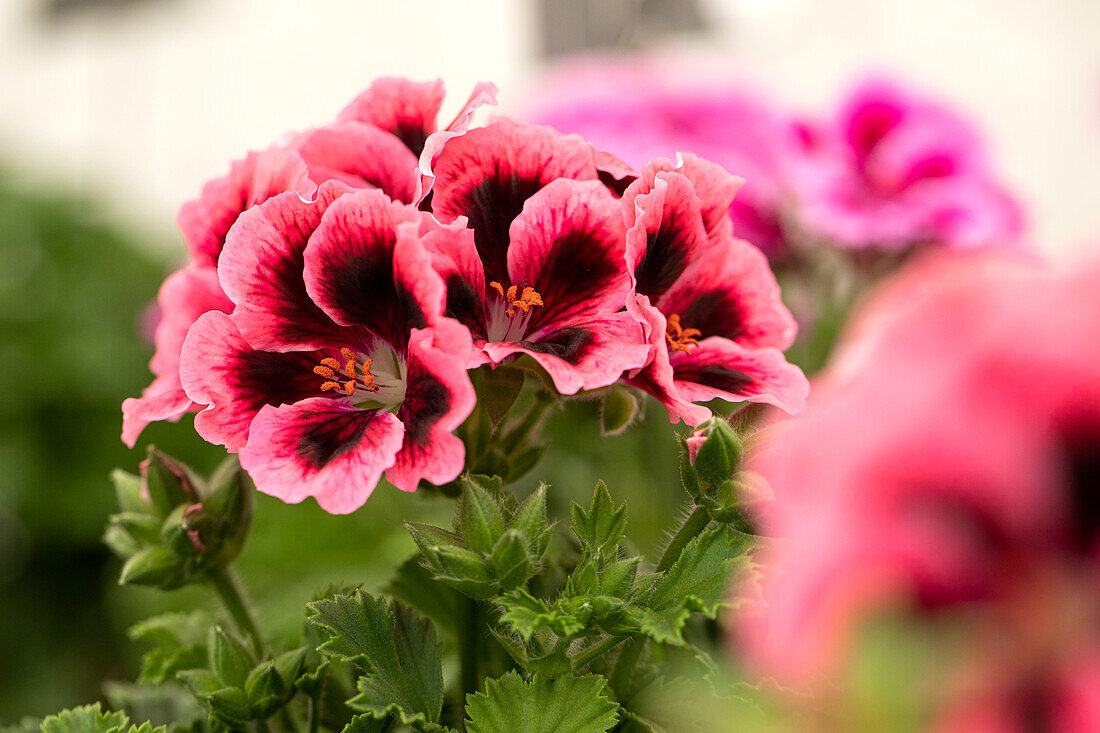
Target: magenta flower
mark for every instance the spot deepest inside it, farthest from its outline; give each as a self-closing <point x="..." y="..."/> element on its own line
<point x="336" y="365"/>
<point x="893" y="170"/>
<point x="947" y="464"/>
<point x="540" y="269"/>
<point x="376" y="143"/>
<point x="709" y="302"/>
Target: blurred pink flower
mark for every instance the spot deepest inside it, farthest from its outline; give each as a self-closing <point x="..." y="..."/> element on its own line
<point x="950" y="460"/>
<point x="893" y="169"/>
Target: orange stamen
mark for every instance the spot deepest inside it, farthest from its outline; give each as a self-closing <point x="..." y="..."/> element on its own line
<point x="680" y="338"/>
<point x="357" y="377"/>
<point x="527" y="299"/>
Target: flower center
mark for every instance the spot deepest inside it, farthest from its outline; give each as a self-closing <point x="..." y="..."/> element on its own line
<point x="680" y="338"/>
<point x="508" y="317"/>
<point x="357" y="377"/>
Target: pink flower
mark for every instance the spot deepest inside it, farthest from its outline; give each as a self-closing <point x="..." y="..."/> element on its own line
<point x="336" y="364"/>
<point x="709" y="303"/>
<point x="893" y="170"/>
<point x="376" y="143"/>
<point x="642" y="110"/>
<point x="540" y="271"/>
<point x="950" y="462"/>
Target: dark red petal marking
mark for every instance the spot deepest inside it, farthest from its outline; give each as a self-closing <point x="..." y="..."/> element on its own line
<point x="403" y="108"/>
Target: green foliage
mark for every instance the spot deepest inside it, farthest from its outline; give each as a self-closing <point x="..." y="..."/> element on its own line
<point x="562" y="705"/>
<point x="619" y="409"/>
<point x="179" y="643"/>
<point x="91" y="719"/>
<point x="394" y="646"/>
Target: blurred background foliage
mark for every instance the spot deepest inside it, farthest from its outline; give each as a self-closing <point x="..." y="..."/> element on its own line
<point x="73" y="293"/>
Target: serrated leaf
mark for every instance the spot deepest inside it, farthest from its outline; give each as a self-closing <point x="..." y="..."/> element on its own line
<point x="85" y="719"/>
<point x="563" y="705"/>
<point x="526" y="614"/>
<point x="396" y="647"/>
<point x="367" y="723"/>
<point x="600" y="529"/>
<point x="229" y="658"/>
<point x="438" y="601"/>
<point x="697" y="582"/>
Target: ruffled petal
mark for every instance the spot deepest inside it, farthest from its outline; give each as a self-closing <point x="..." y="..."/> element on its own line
<point x="438" y="398"/>
<point x="403" y="108"/>
<point x="586" y="354"/>
<point x="730" y="291"/>
<point x="205" y="221"/>
<point x="718" y="368"/>
<point x="322" y="448"/>
<point x="714" y="186"/>
<point x="666" y="233"/>
<point x="489" y="173"/>
<point x="484" y="93"/>
<point x="362" y="157"/>
<point x="184" y="296"/>
<point x="219" y="369"/>
<point x="454" y="257"/>
<point x="350" y="268"/>
<point x="569" y="245"/>
<point x="614" y="173"/>
<point x="261" y="270"/>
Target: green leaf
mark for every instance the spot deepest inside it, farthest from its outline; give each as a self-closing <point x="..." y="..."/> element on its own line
<point x="480" y="521"/>
<point x="501" y="388"/>
<point x="230" y="705"/>
<point x="601" y="528"/>
<point x="620" y="407"/>
<point x="264" y="689"/>
<point x="128" y="492"/>
<point x="179" y="642"/>
<point x="527" y="614"/>
<point x="564" y="705"/>
<point x="154" y="565"/>
<point x="530" y="521"/>
<point x="202" y="682"/>
<point x="697" y="581"/>
<point x="85" y="719"/>
<point x="438" y="601"/>
<point x="229" y="658"/>
<point x="511" y="563"/>
<point x="396" y="648"/>
<point x="367" y="723"/>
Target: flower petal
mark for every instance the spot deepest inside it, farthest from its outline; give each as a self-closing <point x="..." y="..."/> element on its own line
<point x="484" y="93"/>
<point x="350" y="268"/>
<point x="730" y="291"/>
<point x="586" y="354"/>
<point x="454" y="257"/>
<point x="487" y="174"/>
<point x="657" y="377"/>
<point x="406" y="109"/>
<point x="569" y="245"/>
<point x="184" y="296"/>
<point x="718" y="368"/>
<point x="261" y="270"/>
<point x="205" y="221"/>
<point x="438" y="398"/>
<point x="322" y="448"/>
<point x="218" y="368"/>
<point x="666" y="233"/>
<point x="362" y="157"/>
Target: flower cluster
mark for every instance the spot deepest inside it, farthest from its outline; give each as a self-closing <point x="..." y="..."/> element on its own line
<point x="949" y="470"/>
<point x="888" y="170"/>
<point x="342" y="285"/>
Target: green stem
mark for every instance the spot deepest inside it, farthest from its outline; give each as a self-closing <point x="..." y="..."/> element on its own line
<point x="468" y="650"/>
<point x="595" y="651"/>
<point x="315" y="704"/>
<point x="229" y="592"/>
<point x="692" y="527"/>
<point x="624" y="668"/>
<point x="530" y="421"/>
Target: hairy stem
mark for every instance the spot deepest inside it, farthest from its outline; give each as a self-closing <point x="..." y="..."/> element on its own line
<point x="692" y="527"/>
<point x="229" y="592"/>
<point x="595" y="651"/>
<point x="468" y="650"/>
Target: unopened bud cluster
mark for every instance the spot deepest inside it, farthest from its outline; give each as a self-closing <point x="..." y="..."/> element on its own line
<point x="709" y="465"/>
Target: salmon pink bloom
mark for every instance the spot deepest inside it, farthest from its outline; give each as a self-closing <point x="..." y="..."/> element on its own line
<point x="709" y="303"/>
<point x="336" y="364"/>
<point x="540" y="269"/>
<point x="946" y="466"/>
<point x="376" y="143"/>
<point x="894" y="170"/>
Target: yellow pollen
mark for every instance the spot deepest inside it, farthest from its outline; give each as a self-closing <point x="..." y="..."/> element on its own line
<point x="680" y="338"/>
<point x="528" y="298"/>
<point x="357" y="376"/>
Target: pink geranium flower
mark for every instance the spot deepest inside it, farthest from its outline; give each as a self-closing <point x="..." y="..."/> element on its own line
<point x="377" y="142"/>
<point x="336" y="365"/>
<point x="540" y="270"/>
<point x="893" y="170"/>
<point x="947" y="465"/>
<point x="709" y="302"/>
